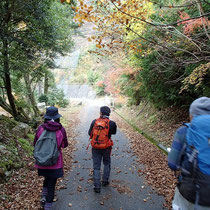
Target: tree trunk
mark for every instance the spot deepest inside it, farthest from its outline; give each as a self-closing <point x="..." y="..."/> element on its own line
<point x="17" y="114"/>
<point x="5" y="106"/>
<point x="7" y="80"/>
<point x="39" y="88"/>
<point x="30" y="94"/>
<point x="46" y="83"/>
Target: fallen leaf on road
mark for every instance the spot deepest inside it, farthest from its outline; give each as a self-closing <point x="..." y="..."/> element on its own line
<point x="79" y="188"/>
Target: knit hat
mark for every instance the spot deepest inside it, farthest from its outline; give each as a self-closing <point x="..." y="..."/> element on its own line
<point x="200" y="106"/>
<point x="52" y="113"/>
<point x="105" y="110"/>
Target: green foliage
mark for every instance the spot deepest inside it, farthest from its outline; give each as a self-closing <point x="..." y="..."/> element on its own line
<point x="43" y="98"/>
<point x="100" y="90"/>
<point x="54" y="97"/>
<point x="130" y="87"/>
<point x="57" y="97"/>
<point x="93" y="77"/>
<point x="154" y="84"/>
<point x="168" y="57"/>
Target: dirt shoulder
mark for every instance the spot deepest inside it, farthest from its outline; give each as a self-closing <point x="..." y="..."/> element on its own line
<point x="160" y="125"/>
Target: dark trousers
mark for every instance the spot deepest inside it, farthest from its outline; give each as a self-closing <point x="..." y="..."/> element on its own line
<point x="97" y="155"/>
<point x="49" y="183"/>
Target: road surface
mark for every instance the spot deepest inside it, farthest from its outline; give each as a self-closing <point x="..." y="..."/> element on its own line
<point x="127" y="190"/>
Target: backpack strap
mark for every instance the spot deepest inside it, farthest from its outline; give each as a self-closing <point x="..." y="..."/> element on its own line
<point x="197" y="188"/>
<point x="182" y="153"/>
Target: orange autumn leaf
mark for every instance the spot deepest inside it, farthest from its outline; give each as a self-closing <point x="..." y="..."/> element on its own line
<point x="98" y="46"/>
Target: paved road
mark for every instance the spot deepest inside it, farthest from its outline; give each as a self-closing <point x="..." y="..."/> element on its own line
<point x="127" y="190"/>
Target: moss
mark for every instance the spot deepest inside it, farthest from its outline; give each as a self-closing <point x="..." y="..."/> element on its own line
<point x="12" y="148"/>
<point x="152" y="119"/>
<point x="31" y="137"/>
<point x="10" y="159"/>
<point x="3" y="166"/>
<point x="25" y="144"/>
<point x="8" y="123"/>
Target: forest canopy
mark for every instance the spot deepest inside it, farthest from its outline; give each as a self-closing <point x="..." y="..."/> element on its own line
<point x="163" y="45"/>
<point x="166" y="42"/>
<point x="32" y="34"/>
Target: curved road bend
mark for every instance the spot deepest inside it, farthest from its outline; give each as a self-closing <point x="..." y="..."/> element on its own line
<point x="127" y="190"/>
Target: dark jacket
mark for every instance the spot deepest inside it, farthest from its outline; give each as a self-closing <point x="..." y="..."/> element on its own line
<point x="112" y="128"/>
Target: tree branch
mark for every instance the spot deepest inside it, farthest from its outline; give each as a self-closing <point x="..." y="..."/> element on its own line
<point x="200" y="8"/>
<point x="186" y="37"/>
<point x="155" y="24"/>
<point x="176" y="6"/>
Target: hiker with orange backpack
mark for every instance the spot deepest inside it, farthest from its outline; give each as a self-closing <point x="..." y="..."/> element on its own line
<point x="100" y="133"/>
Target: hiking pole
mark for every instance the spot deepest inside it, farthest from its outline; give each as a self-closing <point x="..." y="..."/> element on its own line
<point x="88" y="144"/>
<point x="91" y="135"/>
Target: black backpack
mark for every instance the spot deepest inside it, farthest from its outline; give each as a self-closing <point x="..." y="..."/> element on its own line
<point x="193" y="183"/>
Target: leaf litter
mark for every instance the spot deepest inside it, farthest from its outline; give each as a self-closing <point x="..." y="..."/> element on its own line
<point x="155" y="167"/>
<point x="23" y="189"/>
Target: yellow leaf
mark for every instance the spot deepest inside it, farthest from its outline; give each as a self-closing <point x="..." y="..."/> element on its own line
<point x="68" y="1"/>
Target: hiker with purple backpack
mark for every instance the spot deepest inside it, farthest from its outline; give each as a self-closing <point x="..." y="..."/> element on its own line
<point x="49" y="139"/>
<point x="190" y="154"/>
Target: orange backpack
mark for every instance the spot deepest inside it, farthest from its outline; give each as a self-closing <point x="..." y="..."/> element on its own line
<point x="100" y="138"/>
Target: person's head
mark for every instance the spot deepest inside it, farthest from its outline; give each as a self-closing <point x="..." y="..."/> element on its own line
<point x="200" y="106"/>
<point x="105" y="110"/>
<point x="52" y="114"/>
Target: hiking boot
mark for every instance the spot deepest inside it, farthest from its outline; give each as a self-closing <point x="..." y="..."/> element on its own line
<point x="48" y="206"/>
<point x="43" y="201"/>
<point x="105" y="183"/>
<point x="97" y="190"/>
